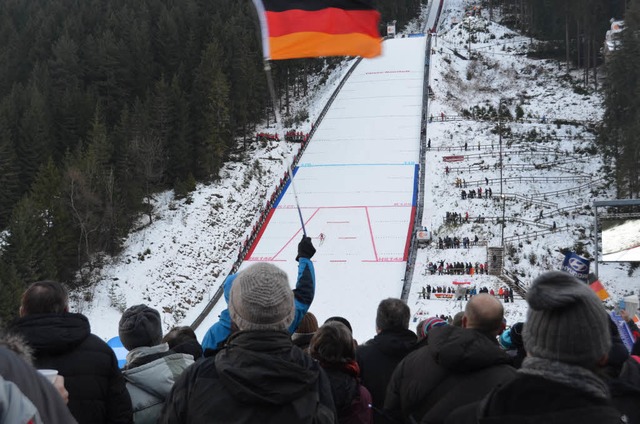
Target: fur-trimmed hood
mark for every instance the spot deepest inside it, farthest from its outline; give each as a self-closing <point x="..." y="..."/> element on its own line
<point x="18" y="345"/>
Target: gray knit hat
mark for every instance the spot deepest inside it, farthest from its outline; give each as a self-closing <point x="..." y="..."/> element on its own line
<point x="566" y="321"/>
<point x="140" y="325"/>
<point x="261" y="299"/>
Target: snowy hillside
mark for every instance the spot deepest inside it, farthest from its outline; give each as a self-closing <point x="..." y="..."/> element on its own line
<point x="550" y="175"/>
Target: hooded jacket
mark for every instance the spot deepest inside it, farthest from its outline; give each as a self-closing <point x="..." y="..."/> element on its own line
<point x="457" y="367"/>
<point x="378" y="358"/>
<point x="625" y="390"/>
<point x="35" y="387"/>
<point x="531" y="399"/>
<point x="150" y="375"/>
<point x="97" y="392"/>
<point x="258" y="377"/>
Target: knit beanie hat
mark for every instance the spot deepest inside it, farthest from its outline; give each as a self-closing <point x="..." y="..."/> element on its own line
<point x="261" y="299"/>
<point x="342" y="320"/>
<point x="426" y="325"/>
<point x="308" y="324"/>
<point x="140" y="325"/>
<point x="566" y="321"/>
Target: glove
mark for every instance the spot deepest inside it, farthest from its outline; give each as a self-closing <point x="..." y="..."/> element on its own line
<point x="305" y="248"/>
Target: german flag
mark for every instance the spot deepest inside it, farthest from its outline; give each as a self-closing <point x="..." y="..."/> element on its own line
<point x="311" y="28"/>
<point x="599" y="289"/>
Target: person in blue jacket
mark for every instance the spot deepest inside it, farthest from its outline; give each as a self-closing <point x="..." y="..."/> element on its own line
<point x="303" y="296"/>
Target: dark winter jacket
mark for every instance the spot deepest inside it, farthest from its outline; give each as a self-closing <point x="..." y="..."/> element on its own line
<point x="303" y="295"/>
<point x="190" y="347"/>
<point x="378" y="358"/>
<point x="97" y="392"/>
<point x="625" y="391"/>
<point x="529" y="399"/>
<point x="34" y="386"/>
<point x="258" y="377"/>
<point x="351" y="398"/>
<point x="457" y="367"/>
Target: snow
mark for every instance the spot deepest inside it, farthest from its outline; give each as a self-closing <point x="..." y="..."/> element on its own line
<point x="622" y="242"/>
<point x="356" y="183"/>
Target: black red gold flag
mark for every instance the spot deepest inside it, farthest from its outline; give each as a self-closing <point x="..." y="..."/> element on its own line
<point x="311" y="28"/>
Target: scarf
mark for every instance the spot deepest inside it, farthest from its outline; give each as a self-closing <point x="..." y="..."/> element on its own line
<point x="349" y="367"/>
<point x="570" y="375"/>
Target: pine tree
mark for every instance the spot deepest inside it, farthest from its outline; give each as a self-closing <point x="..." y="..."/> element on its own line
<point x="9" y="179"/>
<point x="212" y="93"/>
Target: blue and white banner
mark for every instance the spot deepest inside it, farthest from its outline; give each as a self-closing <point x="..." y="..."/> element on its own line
<point x="623" y="329"/>
<point x="576" y="265"/>
<point x="120" y="351"/>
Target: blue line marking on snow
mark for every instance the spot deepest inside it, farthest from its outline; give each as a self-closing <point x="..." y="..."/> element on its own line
<point x="416" y="181"/>
<point x="311" y="165"/>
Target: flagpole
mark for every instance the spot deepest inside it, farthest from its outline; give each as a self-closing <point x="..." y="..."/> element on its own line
<point x="272" y="91"/>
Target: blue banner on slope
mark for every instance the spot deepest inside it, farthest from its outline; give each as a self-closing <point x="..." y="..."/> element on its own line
<point x="576" y="265"/>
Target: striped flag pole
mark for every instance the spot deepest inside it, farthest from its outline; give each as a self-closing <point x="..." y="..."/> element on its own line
<point x="272" y="91"/>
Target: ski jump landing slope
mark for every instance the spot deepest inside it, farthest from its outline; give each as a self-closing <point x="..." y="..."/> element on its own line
<point x="357" y="185"/>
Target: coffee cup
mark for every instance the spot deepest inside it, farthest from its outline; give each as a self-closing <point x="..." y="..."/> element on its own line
<point x="49" y="374"/>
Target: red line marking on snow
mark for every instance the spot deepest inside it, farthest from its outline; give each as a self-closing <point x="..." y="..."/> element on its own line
<point x="260" y="233"/>
<point x="347" y="238"/>
<point x="384" y="260"/>
<point x="409" y="232"/>
<point x="373" y="242"/>
<point x="403" y="205"/>
<point x="387" y="72"/>
<point x="338" y="260"/>
<point x="297" y="232"/>
<point x="265" y="260"/>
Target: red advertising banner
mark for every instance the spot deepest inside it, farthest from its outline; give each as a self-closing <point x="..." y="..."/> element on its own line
<point x="452" y="158"/>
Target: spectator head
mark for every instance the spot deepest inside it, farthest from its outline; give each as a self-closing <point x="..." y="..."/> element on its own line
<point x="484" y="313"/>
<point x="44" y="297"/>
<point x="566" y="322"/>
<point x="183" y="340"/>
<point x="457" y="319"/>
<point x="261" y="299"/>
<point x="305" y="331"/>
<point x="332" y="344"/>
<point x="308" y="324"/>
<point x="140" y="326"/>
<point x="426" y="325"/>
<point x="393" y="314"/>
<point x="179" y="335"/>
<point x="342" y="320"/>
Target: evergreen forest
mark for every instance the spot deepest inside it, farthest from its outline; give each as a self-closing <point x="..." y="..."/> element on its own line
<point x="103" y="104"/>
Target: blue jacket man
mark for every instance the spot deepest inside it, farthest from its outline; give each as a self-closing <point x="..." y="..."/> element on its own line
<point x="303" y="296"/>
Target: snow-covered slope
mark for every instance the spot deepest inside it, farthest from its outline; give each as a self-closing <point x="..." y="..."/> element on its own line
<point x="355" y="164"/>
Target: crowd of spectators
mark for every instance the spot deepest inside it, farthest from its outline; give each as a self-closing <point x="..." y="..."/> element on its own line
<point x="476" y="194"/>
<point x="457" y="268"/>
<point x="268" y="360"/>
<point x="455" y="242"/>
